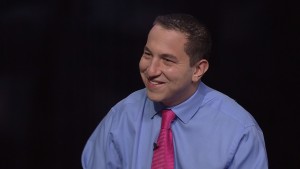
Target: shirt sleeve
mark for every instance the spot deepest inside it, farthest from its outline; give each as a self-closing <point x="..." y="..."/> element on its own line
<point x="100" y="152"/>
<point x="250" y="151"/>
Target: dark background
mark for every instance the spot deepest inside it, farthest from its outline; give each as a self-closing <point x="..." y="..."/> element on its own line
<point x="64" y="63"/>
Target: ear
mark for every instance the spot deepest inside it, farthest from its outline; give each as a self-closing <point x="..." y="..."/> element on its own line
<point x="200" y="68"/>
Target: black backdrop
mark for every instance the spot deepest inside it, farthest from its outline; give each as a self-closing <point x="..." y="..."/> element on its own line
<point x="64" y="63"/>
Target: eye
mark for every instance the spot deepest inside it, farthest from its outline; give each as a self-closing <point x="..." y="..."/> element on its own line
<point x="168" y="60"/>
<point x="147" y="55"/>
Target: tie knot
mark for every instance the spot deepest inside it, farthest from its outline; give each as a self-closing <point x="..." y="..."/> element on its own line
<point x="167" y="117"/>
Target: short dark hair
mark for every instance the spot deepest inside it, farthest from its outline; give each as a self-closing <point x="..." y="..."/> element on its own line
<point x="199" y="40"/>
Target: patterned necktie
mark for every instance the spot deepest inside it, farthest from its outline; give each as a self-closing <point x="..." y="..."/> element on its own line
<point x="163" y="157"/>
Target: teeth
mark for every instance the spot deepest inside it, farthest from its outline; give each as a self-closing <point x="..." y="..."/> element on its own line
<point x="155" y="83"/>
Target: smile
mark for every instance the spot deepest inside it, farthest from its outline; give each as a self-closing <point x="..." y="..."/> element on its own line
<point x="154" y="84"/>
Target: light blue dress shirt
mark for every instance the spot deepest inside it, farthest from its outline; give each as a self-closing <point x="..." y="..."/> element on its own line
<point x="211" y="131"/>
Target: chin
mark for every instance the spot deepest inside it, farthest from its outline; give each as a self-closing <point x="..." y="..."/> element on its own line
<point x="154" y="96"/>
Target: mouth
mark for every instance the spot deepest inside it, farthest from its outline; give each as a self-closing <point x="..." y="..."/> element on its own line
<point x="155" y="84"/>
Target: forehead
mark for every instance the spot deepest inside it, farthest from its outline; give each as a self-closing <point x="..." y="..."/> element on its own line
<point x="160" y="38"/>
<point x="158" y="30"/>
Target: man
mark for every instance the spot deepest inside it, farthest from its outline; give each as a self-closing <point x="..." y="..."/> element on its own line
<point x="210" y="130"/>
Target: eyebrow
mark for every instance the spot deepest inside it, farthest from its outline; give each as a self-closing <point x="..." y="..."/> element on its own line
<point x="147" y="49"/>
<point x="165" y="55"/>
<point x="169" y="56"/>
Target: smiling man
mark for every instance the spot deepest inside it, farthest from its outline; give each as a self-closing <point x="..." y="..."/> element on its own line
<point x="165" y="67"/>
<point x="176" y="121"/>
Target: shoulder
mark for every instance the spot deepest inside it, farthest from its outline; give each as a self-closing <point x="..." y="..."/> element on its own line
<point x="133" y="100"/>
<point x="227" y="107"/>
<point x="129" y="107"/>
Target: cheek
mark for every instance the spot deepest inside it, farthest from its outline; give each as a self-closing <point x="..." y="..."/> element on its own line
<point x="179" y="77"/>
<point x="142" y="65"/>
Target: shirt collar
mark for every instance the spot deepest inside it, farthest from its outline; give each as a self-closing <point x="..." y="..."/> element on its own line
<point x="155" y="108"/>
<point x="185" y="110"/>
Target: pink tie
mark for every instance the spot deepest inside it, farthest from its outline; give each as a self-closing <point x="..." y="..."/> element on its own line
<point x="163" y="157"/>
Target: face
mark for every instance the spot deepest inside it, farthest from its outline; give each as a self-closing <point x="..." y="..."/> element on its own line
<point x="165" y="67"/>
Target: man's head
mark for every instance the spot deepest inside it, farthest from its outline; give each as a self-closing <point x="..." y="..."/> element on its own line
<point x="174" y="58"/>
<point x="198" y="45"/>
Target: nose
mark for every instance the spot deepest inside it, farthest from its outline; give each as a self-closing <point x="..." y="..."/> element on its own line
<point x="154" y="68"/>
